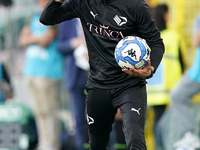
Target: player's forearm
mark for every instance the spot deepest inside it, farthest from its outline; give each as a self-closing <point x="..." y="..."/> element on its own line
<point x="51" y="14"/>
<point x="196" y="39"/>
<point x="157" y="52"/>
<point x="30" y="40"/>
<point x="26" y="40"/>
<point x="59" y="1"/>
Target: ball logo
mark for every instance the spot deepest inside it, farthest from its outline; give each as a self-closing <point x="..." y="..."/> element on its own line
<point x="148" y="52"/>
<point x="132" y="51"/>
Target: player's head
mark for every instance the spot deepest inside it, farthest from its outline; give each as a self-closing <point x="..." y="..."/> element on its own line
<point x="160" y="15"/>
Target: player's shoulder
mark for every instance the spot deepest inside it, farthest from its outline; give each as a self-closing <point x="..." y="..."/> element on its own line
<point x="88" y="2"/>
<point x="132" y="3"/>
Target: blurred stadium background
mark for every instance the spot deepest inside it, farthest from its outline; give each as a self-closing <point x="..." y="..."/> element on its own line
<point x="13" y="15"/>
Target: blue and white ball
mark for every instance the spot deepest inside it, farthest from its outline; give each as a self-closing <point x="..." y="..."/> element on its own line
<point x="132" y="51"/>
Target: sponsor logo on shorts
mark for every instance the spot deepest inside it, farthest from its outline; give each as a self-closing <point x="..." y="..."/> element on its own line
<point x="136" y="110"/>
<point x="90" y="120"/>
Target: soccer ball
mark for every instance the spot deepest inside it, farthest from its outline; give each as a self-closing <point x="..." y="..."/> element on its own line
<point x="132" y="51"/>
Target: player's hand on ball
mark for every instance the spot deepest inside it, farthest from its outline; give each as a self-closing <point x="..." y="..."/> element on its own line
<point x="142" y="72"/>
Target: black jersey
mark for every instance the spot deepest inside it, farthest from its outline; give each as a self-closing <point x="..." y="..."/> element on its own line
<point x="105" y="22"/>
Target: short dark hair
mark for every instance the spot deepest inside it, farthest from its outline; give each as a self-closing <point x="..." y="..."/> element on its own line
<point x="6" y="3"/>
<point x="159" y="16"/>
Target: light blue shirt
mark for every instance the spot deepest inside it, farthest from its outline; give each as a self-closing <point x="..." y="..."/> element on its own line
<point x="194" y="71"/>
<point x="43" y="62"/>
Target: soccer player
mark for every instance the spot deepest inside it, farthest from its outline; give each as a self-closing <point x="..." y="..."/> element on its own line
<point x="109" y="87"/>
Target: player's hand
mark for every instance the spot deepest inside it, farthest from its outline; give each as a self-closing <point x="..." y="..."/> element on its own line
<point x="142" y="72"/>
<point x="59" y="1"/>
<point x="76" y="42"/>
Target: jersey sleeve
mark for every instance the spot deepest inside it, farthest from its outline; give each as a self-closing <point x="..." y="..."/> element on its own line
<point x="56" y="12"/>
<point x="148" y="31"/>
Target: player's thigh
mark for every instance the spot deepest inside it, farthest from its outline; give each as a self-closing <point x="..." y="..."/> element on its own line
<point x="100" y="112"/>
<point x="134" y="109"/>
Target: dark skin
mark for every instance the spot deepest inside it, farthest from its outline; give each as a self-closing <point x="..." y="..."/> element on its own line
<point x="142" y="72"/>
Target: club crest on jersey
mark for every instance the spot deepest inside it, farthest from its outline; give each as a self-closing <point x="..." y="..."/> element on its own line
<point x="120" y="20"/>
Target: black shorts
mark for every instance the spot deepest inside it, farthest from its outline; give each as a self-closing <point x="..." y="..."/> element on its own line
<point x="101" y="108"/>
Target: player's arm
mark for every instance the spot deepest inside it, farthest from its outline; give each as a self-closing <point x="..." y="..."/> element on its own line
<point x="56" y="12"/>
<point x="49" y="35"/>
<point x="196" y="32"/>
<point x="148" y="31"/>
<point x="196" y="39"/>
<point x="61" y="1"/>
<point x="27" y="38"/>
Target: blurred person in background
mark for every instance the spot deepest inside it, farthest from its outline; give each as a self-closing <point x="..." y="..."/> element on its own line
<point x="181" y="96"/>
<point x="6" y="89"/>
<point x="70" y="44"/>
<point x="169" y="71"/>
<point x="42" y="69"/>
